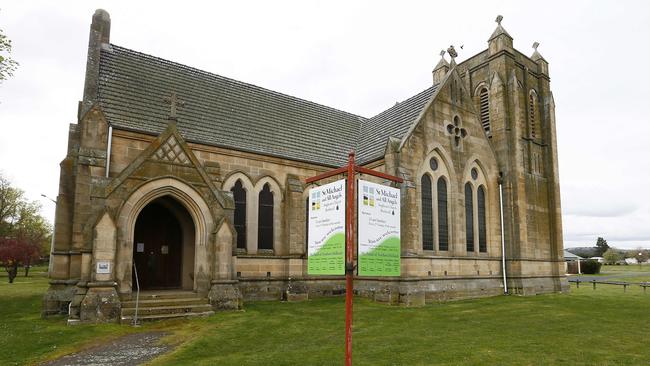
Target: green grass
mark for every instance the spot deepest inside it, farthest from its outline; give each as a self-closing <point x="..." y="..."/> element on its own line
<point x="586" y="327"/>
<point x="25" y="337"/>
<point x="628" y="268"/>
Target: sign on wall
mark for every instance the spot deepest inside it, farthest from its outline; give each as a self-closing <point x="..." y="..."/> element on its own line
<point x="379" y="229"/>
<point x="326" y="229"/>
<point x="103" y="267"/>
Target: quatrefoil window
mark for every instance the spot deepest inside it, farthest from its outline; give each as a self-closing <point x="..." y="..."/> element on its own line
<point x="457" y="131"/>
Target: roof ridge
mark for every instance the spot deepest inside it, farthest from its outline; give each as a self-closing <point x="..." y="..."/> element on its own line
<point x="207" y="73"/>
<point x="414" y="96"/>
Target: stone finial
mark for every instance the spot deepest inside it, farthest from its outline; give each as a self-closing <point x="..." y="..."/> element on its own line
<point x="174" y="104"/>
<point x="441" y="68"/>
<point x="452" y="52"/>
<point x="101" y="24"/>
<point x="499" y="19"/>
<point x="535" y="45"/>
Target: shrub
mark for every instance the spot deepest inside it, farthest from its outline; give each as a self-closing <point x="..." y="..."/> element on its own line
<point x="590" y="266"/>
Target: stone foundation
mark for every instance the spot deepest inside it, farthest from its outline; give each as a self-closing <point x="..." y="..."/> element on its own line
<point x="398" y="291"/>
<point x="101" y="304"/>
<point x="225" y="295"/>
<point x="56" y="300"/>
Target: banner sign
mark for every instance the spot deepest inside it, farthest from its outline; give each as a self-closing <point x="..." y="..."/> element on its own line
<point x="379" y="229"/>
<point x="326" y="230"/>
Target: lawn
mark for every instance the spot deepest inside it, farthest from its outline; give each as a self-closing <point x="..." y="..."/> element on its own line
<point x="627" y="268"/>
<point x="589" y="327"/>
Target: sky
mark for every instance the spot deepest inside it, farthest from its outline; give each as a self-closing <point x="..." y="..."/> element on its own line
<point x="360" y="57"/>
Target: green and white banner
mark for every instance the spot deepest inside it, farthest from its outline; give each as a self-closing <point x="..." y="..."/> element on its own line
<point x="326" y="230"/>
<point x="379" y="229"/>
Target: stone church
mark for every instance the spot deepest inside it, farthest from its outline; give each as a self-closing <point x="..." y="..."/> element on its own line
<point x="188" y="188"/>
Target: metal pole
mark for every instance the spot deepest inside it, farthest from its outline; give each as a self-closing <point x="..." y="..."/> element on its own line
<point x="349" y="258"/>
<point x="137" y="296"/>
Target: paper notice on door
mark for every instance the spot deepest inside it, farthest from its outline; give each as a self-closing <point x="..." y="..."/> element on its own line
<point x="140" y="248"/>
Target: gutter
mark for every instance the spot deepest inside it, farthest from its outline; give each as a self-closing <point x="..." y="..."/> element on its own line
<point x="108" y="149"/>
<point x="503" y="238"/>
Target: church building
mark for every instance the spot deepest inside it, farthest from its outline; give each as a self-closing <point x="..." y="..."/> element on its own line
<point x="187" y="189"/>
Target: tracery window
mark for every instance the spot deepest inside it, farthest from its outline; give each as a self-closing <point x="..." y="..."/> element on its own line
<point x="469" y="217"/>
<point x="239" y="194"/>
<point x="265" y="218"/>
<point x="482" y="230"/>
<point x="427" y="213"/>
<point x="434" y="185"/>
<point x="443" y="224"/>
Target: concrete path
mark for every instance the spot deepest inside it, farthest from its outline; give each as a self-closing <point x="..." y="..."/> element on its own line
<point x="608" y="276"/>
<point x="132" y="349"/>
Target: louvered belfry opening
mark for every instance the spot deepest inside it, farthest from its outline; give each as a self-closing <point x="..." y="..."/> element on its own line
<point x="469" y="217"/>
<point x="443" y="226"/>
<point x="239" y="194"/>
<point x="265" y="219"/>
<point x="427" y="214"/>
<point x="482" y="230"/>
<point x="532" y="114"/>
<point x="484" y="107"/>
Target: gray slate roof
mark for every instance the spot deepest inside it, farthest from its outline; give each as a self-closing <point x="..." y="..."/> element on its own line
<point x="393" y="122"/>
<point x="224" y="112"/>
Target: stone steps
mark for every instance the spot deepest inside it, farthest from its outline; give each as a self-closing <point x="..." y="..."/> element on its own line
<point x="157" y="295"/>
<point x="127" y="319"/>
<point x="161" y="310"/>
<point x="164" y="302"/>
<point x="159" y="305"/>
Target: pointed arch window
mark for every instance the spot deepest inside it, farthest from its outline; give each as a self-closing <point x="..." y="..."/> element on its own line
<point x="265" y="218"/>
<point x="239" y="194"/>
<point x="427" y="213"/>
<point x="482" y="230"/>
<point x="484" y="109"/>
<point x="443" y="224"/>
<point x="469" y="217"/>
<point x="532" y="106"/>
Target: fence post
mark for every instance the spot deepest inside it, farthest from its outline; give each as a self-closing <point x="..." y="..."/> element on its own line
<point x="625" y="287"/>
<point x="594" y="282"/>
<point x="578" y="283"/>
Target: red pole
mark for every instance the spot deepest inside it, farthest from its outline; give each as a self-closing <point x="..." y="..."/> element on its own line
<point x="349" y="258"/>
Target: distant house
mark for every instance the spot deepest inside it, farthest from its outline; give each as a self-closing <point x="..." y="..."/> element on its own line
<point x="572" y="262"/>
<point x="569" y="257"/>
<point x="631" y="261"/>
<point x="599" y="259"/>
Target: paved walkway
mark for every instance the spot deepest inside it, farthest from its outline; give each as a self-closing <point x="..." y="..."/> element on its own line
<point x="608" y="276"/>
<point x="132" y="349"/>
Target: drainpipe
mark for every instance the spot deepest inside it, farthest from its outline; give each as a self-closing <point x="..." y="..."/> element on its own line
<point x="108" y="149"/>
<point x="503" y="238"/>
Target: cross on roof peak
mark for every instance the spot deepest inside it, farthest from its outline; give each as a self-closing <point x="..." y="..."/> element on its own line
<point x="174" y="104"/>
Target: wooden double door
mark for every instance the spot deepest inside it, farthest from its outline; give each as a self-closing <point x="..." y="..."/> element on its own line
<point x="157" y="249"/>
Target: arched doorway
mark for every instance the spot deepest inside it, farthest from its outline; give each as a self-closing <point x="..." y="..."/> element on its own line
<point x="163" y="249"/>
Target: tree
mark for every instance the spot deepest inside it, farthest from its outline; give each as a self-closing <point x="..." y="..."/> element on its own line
<point x="612" y="256"/>
<point x="7" y="64"/>
<point x="602" y="246"/>
<point x="13" y="253"/>
<point x="641" y="255"/>
<point x="22" y="224"/>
